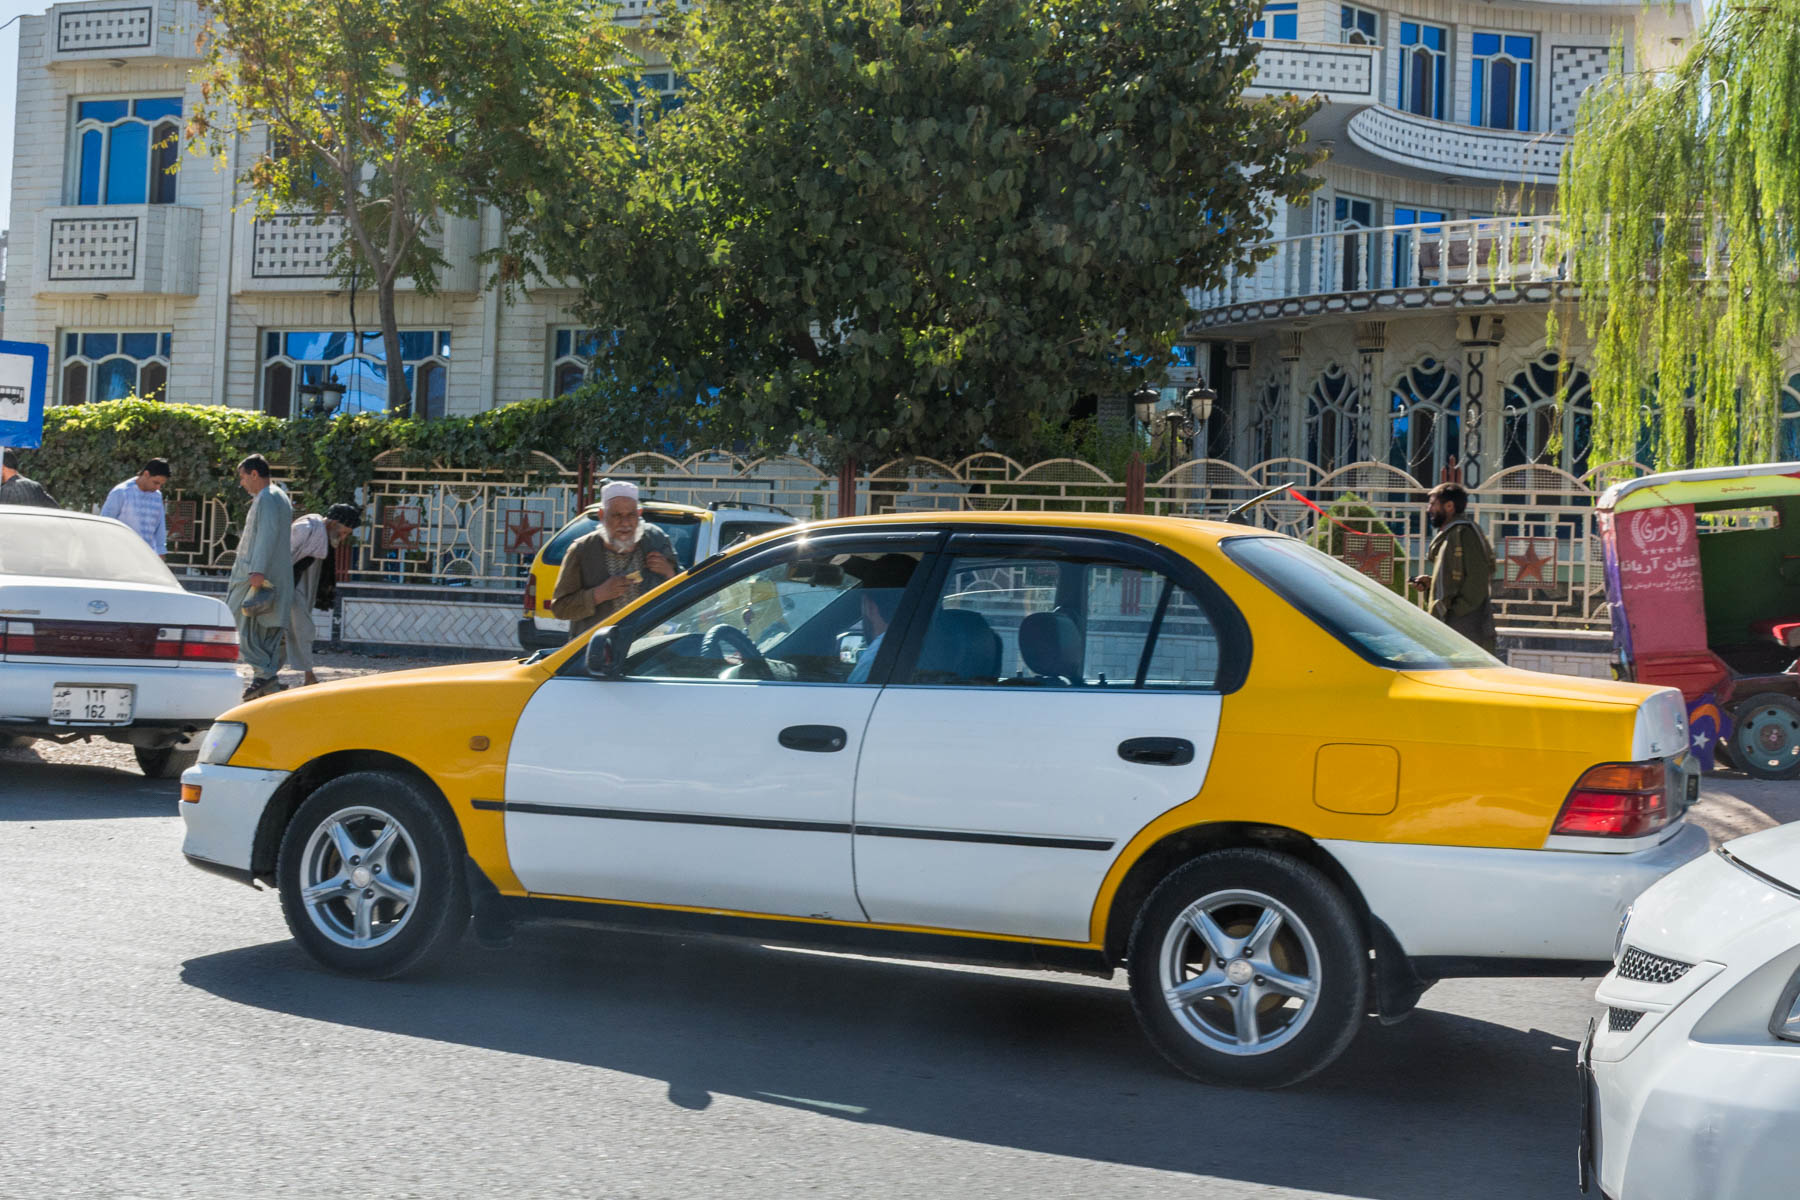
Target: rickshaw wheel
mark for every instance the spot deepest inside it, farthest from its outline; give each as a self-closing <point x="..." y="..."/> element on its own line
<point x="1766" y="741"/>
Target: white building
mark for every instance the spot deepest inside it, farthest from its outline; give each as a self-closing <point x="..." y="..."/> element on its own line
<point x="1402" y="317"/>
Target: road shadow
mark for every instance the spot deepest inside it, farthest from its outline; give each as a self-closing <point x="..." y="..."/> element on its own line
<point x="34" y="790"/>
<point x="1439" y="1105"/>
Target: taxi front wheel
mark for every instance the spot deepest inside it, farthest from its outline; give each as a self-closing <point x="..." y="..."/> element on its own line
<point x="369" y="876"/>
<point x="1247" y="969"/>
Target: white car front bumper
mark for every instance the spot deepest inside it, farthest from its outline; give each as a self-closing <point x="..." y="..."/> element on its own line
<point x="222" y="822"/>
<point x="1695" y="1097"/>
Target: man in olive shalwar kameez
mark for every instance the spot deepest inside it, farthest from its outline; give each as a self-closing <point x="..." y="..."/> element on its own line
<point x="609" y="568"/>
<point x="1462" y="567"/>
<point x="263" y="576"/>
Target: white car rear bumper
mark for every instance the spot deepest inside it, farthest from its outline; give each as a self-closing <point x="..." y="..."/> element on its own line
<point x="221" y="826"/>
<point x="162" y="696"/>
<point x="1473" y="902"/>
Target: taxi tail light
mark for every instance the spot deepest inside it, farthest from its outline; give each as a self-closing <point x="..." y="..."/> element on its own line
<point x="18" y="637"/>
<point x="531" y="595"/>
<point x="1616" y="800"/>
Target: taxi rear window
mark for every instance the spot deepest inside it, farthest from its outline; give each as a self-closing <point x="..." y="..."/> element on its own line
<point x="1355" y="609"/>
<point x="683" y="530"/>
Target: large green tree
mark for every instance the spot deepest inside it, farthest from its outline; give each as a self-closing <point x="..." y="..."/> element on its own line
<point x="1680" y="206"/>
<point x="394" y="115"/>
<point x="887" y="227"/>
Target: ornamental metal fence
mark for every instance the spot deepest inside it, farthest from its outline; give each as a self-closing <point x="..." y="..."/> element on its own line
<point x="480" y="529"/>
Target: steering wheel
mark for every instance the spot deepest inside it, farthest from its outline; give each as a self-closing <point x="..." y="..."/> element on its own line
<point x="722" y="635"/>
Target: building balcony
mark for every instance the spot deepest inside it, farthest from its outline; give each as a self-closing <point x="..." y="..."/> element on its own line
<point x="1396" y="268"/>
<point x="152" y="33"/>
<point x="1338" y="74"/>
<point x="291" y="252"/>
<point x="1442" y="148"/>
<point x="118" y="249"/>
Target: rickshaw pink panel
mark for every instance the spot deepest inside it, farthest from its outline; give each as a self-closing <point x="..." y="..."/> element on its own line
<point x="1659" y="578"/>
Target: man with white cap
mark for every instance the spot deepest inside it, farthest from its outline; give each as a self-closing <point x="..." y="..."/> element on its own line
<point x="614" y="565"/>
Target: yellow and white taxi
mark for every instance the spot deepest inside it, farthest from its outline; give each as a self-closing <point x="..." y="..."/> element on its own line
<point x="1281" y="797"/>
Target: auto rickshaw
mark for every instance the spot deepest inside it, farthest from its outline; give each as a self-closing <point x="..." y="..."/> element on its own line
<point x="1703" y="572"/>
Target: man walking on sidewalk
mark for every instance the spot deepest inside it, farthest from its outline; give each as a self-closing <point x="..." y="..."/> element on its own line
<point x="314" y="538"/>
<point x="15" y="488"/>
<point x="139" y="503"/>
<point x="260" y="591"/>
<point x="1462" y="567"/>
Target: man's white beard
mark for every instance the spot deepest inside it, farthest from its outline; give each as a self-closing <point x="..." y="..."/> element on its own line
<point x="628" y="542"/>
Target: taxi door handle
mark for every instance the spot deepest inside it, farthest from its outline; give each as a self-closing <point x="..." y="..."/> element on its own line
<point x="1157" y="751"/>
<point x="822" y="739"/>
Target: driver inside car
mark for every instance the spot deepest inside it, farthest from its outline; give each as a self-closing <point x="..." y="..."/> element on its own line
<point x="883" y="583"/>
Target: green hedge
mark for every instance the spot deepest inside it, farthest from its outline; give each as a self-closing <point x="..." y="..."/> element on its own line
<point x="89" y="448"/>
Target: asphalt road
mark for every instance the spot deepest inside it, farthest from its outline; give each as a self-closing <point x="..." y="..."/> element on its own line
<point x="162" y="1037"/>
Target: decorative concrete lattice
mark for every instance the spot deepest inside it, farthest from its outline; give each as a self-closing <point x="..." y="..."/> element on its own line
<point x="431" y="623"/>
<point x="1573" y="70"/>
<point x="84" y="250"/>
<point x="294" y="246"/>
<point x="1461" y="149"/>
<point x="1335" y="71"/>
<point x="103" y="29"/>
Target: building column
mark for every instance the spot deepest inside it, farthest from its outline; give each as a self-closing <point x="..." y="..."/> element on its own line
<point x="1479" y="334"/>
<point x="1292" y="438"/>
<point x="1371" y="407"/>
<point x="1245" y="402"/>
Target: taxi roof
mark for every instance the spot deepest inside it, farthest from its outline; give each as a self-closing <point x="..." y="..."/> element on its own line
<point x="1154" y="528"/>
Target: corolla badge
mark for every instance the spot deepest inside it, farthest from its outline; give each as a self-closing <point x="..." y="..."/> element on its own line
<point x="98" y="607"/>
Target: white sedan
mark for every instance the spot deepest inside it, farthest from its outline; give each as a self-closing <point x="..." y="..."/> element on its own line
<point x="97" y="639"/>
<point x="1693" y="1074"/>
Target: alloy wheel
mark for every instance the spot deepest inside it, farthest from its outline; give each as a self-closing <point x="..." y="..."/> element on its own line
<point x="359" y="877"/>
<point x="1239" y="972"/>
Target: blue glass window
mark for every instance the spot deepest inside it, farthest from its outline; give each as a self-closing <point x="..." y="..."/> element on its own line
<point x="1356" y="26"/>
<point x="296" y="362"/>
<point x="1500" y="81"/>
<point x="1279" y="23"/>
<point x="1422" y="75"/>
<point x="110" y="365"/>
<point x="126" y="149"/>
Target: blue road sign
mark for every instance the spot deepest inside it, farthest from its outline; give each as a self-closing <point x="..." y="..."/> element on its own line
<point x="24" y="367"/>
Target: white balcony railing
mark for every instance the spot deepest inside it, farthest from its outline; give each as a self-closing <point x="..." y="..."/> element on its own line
<point x="118" y="249"/>
<point x="138" y="32"/>
<point x="1494" y="252"/>
<point x="291" y="252"/>
<point x="1446" y="147"/>
<point x="1342" y="74"/>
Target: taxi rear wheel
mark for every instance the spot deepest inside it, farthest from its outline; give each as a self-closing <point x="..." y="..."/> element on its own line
<point x="370" y="876"/>
<point x="1247" y="969"/>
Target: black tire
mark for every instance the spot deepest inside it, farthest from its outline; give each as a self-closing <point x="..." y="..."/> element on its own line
<point x="14" y="741"/>
<point x="164" y="762"/>
<point x="1765" y="740"/>
<point x="1316" y="941"/>
<point x="425" y="855"/>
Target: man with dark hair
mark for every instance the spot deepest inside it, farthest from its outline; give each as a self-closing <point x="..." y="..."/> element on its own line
<point x="314" y="539"/>
<point x="138" y="502"/>
<point x="15" y="488"/>
<point x="883" y="583"/>
<point x="260" y="590"/>
<point x="1462" y="567"/>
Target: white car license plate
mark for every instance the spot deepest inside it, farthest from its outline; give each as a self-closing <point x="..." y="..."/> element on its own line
<point x="79" y="704"/>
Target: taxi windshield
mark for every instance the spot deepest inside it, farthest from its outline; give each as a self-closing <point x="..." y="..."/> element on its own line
<point x="683" y="530"/>
<point x="1353" y="608"/>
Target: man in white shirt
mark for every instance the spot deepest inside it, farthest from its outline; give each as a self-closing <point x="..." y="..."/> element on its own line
<point x="314" y="537"/>
<point x="883" y="583"/>
<point x="138" y="502"/>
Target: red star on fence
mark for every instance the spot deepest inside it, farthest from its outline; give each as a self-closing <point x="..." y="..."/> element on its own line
<point x="1372" y="554"/>
<point x="181" y="514"/>
<point x="1533" y="566"/>
<point x="400" y="527"/>
<point x="524" y="530"/>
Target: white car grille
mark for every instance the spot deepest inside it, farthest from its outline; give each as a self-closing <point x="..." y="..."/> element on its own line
<point x="1644" y="967"/>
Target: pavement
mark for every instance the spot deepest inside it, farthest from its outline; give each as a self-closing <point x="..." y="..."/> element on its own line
<point x="163" y="1037"/>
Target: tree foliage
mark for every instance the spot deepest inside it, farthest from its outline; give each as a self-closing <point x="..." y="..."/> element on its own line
<point x="1680" y="206"/>
<point x="886" y="227"/>
<point x="393" y="116"/>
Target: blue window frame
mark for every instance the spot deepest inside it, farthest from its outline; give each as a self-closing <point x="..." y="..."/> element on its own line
<point x="1357" y="26"/>
<point x="572" y="349"/>
<point x="1422" y="73"/>
<point x="1278" y="23"/>
<point x="126" y="150"/>
<point x="297" y="362"/>
<point x="1500" y="81"/>
<point x="1406" y="248"/>
<point x="111" y="364"/>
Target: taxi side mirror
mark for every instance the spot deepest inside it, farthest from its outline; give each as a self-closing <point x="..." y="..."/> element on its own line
<point x="606" y="654"/>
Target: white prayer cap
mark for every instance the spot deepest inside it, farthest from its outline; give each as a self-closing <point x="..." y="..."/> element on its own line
<point x="616" y="488"/>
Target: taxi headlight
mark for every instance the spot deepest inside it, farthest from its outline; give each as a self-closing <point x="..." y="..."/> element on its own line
<point x="1784" y="1022"/>
<point x="222" y="741"/>
<point x="1619" y="937"/>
